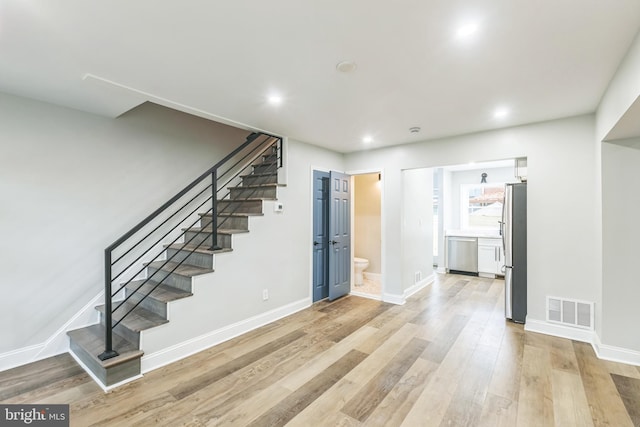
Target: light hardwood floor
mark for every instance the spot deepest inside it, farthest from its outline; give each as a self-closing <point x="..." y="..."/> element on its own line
<point x="446" y="358"/>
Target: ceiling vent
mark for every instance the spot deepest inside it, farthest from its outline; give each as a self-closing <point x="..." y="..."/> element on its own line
<point x="569" y="312"/>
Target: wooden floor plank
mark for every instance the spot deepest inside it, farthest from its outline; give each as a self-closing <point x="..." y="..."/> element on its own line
<point x="446" y="357"/>
<point x="535" y="403"/>
<point x="293" y="404"/>
<point x="570" y="406"/>
<point x="607" y="408"/>
<point x="397" y="404"/>
<point x="185" y="389"/>
<point x="498" y="411"/>
<point x="629" y="389"/>
<point x="369" y="397"/>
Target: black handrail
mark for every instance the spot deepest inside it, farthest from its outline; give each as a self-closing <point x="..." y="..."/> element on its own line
<point x="216" y="174"/>
<point x="185" y="244"/>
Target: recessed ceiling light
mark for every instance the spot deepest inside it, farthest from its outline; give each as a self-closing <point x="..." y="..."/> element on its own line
<point x="501" y="113"/>
<point x="367" y="139"/>
<point x="275" y="100"/>
<point x="467" y="30"/>
<point x="346" y="66"/>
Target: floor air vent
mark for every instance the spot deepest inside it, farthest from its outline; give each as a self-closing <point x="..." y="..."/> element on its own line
<point x="570" y="312"/>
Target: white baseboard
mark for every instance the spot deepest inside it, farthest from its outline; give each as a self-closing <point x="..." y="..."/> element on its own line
<point x="616" y="354"/>
<point x="187" y="348"/>
<point x="19" y="357"/>
<point x="365" y="295"/>
<point x="418" y="286"/>
<point x="547" y="328"/>
<point x="441" y="270"/>
<point x="57" y="343"/>
<point x="606" y="352"/>
<point x="393" y="298"/>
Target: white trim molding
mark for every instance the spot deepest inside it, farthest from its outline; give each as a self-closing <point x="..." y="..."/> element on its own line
<point x="418" y="286"/>
<point x="616" y="354"/>
<point x="57" y="343"/>
<point x="187" y="348"/>
<point x="393" y="298"/>
<point x="556" y="330"/>
<point x="365" y="295"/>
<point x="19" y="357"/>
<point x="603" y="351"/>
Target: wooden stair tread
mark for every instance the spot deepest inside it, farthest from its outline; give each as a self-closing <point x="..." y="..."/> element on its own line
<point x="220" y="230"/>
<point x="202" y="249"/>
<point x="91" y="339"/>
<point x="138" y="320"/>
<point x="248" y="199"/>
<point x="181" y="269"/>
<point x="234" y="214"/>
<point x="260" y="174"/>
<point x="162" y="292"/>
<point x="263" y="185"/>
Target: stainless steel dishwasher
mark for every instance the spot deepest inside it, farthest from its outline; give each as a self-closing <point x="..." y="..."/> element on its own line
<point x="462" y="254"/>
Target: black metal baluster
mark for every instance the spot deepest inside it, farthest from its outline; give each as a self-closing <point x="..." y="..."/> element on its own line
<point x="214" y="210"/>
<point x="109" y="352"/>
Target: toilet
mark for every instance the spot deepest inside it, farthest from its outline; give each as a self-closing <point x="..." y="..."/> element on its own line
<point x="359" y="265"/>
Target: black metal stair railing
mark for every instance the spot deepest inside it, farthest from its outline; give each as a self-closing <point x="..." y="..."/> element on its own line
<point x="127" y="258"/>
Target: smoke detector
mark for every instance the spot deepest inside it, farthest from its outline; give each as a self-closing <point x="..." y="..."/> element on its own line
<point x="414" y="129"/>
<point x="346" y="66"/>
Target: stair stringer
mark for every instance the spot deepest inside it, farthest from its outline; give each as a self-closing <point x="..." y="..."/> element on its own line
<point x="228" y="302"/>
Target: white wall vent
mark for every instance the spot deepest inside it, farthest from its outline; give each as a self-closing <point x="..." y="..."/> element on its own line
<point x="570" y="312"/>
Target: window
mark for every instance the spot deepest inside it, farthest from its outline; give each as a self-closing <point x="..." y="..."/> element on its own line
<point x="481" y="206"/>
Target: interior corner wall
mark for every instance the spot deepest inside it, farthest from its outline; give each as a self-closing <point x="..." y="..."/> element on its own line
<point x="70" y="184"/>
<point x="367" y="212"/>
<point x="622" y="92"/>
<point x="562" y="254"/>
<point x="417" y="225"/>
<point x="620" y="237"/>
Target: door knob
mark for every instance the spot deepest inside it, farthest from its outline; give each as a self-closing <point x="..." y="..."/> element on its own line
<point x="315" y="243"/>
<point x="333" y="242"/>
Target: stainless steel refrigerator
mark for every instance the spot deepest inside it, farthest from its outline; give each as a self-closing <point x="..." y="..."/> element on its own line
<point x="514" y="239"/>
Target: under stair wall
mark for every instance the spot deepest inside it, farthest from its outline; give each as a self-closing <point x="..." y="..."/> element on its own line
<point x="276" y="242"/>
<point x="79" y="180"/>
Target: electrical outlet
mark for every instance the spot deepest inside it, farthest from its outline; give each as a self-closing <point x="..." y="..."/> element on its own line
<point x="265" y="294"/>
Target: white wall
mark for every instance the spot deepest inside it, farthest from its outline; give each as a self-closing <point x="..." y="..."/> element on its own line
<point x="621" y="234"/>
<point x="562" y="217"/>
<point x="622" y="92"/>
<point x="70" y="184"/>
<point x="367" y="220"/>
<point x="417" y="225"/>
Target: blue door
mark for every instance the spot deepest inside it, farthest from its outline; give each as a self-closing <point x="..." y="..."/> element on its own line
<point x="320" y="235"/>
<point x="340" y="235"/>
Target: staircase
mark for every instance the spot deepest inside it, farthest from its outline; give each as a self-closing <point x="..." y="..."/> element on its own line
<point x="140" y="303"/>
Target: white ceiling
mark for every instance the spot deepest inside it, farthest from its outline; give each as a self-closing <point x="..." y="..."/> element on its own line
<point x="541" y="59"/>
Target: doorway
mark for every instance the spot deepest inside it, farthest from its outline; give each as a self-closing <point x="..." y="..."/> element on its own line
<point x="331" y="235"/>
<point x="367" y="234"/>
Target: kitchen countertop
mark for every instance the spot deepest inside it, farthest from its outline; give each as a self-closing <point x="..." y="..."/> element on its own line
<point x="490" y="234"/>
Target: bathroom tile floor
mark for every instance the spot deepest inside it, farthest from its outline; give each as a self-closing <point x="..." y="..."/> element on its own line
<point x="370" y="287"/>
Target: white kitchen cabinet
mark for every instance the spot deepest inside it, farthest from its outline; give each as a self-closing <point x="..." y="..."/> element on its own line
<point x="490" y="257"/>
